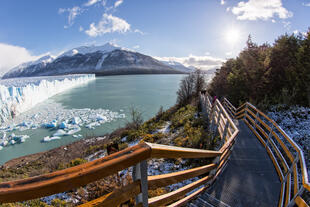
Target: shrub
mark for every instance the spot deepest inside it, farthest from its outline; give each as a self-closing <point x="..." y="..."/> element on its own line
<point x="77" y="161"/>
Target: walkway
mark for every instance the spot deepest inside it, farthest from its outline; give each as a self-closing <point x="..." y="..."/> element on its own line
<point x="249" y="179"/>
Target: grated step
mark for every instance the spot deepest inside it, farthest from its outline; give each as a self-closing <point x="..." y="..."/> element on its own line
<point x="212" y="200"/>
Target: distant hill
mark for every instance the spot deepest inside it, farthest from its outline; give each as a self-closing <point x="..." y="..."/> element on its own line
<point x="100" y="60"/>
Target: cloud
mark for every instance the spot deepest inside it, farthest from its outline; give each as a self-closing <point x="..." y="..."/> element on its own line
<point x="117" y="3"/>
<point x="139" y="31"/>
<point x="11" y="56"/>
<point x="306" y="4"/>
<point x="108" y="24"/>
<point x="91" y="2"/>
<point x="222" y="2"/>
<point x="72" y="14"/>
<point x="81" y="29"/>
<point x="200" y="62"/>
<point x="260" y="9"/>
<point x="136" y="47"/>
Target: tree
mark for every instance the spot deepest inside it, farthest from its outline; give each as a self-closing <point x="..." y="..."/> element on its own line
<point x="190" y="88"/>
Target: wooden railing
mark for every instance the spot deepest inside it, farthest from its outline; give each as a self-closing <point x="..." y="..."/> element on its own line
<point x="285" y="154"/>
<point x="136" y="157"/>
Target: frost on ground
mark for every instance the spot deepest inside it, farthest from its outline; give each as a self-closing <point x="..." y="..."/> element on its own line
<point x="295" y="121"/>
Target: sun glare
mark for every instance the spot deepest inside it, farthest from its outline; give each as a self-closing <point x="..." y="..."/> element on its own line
<point x="232" y="36"/>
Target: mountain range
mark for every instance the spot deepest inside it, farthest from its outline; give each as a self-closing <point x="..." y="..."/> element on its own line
<point x="107" y="59"/>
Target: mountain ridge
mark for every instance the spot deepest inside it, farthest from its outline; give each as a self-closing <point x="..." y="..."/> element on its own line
<point x="107" y="59"/>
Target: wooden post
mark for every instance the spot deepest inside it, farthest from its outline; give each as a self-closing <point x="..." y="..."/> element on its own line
<point x="140" y="173"/>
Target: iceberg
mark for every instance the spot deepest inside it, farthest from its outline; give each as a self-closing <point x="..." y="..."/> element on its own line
<point x="52" y="124"/>
<point x="48" y="139"/>
<point x="59" y="132"/>
<point x="18" y="95"/>
<point x="63" y="125"/>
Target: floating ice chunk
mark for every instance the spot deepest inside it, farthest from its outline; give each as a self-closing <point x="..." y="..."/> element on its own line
<point x="12" y="142"/>
<point x="5" y="143"/>
<point x="74" y="130"/>
<point x="59" y="132"/>
<point x="100" y="117"/>
<point x="52" y="124"/>
<point x="77" y="135"/>
<point x="63" y="125"/>
<point x="92" y="125"/>
<point x="76" y="120"/>
<point x="48" y="139"/>
<point x="1" y="147"/>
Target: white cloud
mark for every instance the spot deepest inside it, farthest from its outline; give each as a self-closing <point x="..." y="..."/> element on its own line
<point x="108" y="24"/>
<point x="306" y="4"/>
<point x="228" y="53"/>
<point x="11" y="56"/>
<point x="222" y="2"/>
<point x="91" y="2"/>
<point x="72" y="14"/>
<point x="200" y="62"/>
<point x="261" y="9"/>
<point x="139" y="31"/>
<point x="136" y="47"/>
<point x="117" y="3"/>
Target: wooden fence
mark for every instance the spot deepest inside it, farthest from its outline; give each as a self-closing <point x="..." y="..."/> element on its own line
<point x="285" y="154"/>
<point x="136" y="157"/>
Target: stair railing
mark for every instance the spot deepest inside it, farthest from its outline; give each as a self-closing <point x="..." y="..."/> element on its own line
<point x="286" y="155"/>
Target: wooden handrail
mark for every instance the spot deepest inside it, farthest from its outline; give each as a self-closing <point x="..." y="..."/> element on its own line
<point x="74" y="177"/>
<point x="175" y="195"/>
<point x="165" y="151"/>
<point x="116" y="197"/>
<point x="158" y="181"/>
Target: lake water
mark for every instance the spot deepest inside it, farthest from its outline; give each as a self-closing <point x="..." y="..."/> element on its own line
<point x="115" y="93"/>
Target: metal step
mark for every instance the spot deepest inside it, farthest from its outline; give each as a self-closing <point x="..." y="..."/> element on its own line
<point x="206" y="200"/>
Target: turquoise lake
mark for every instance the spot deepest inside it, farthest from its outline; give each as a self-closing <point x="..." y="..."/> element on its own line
<point x="115" y="93"/>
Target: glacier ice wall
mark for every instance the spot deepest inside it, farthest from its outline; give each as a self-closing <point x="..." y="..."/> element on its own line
<point x="19" y="95"/>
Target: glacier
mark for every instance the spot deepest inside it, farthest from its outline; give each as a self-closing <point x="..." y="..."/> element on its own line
<point x="21" y="94"/>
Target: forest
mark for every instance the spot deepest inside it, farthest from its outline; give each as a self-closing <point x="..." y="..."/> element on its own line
<point x="267" y="74"/>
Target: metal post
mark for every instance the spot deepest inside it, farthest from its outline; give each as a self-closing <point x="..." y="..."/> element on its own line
<point x="225" y="129"/>
<point x="218" y="122"/>
<point x="140" y="173"/>
<point x="269" y="136"/>
<point x="255" y="121"/>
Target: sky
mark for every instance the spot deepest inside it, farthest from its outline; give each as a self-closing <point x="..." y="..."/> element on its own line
<point x="201" y="33"/>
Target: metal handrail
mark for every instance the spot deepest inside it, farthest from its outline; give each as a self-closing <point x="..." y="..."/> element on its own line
<point x="250" y="114"/>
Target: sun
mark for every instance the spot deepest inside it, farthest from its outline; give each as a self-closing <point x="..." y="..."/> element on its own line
<point x="232" y="36"/>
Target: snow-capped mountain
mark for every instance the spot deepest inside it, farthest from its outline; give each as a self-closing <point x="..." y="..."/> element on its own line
<point x="179" y="66"/>
<point x="33" y="64"/>
<point x="108" y="47"/>
<point x="107" y="59"/>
